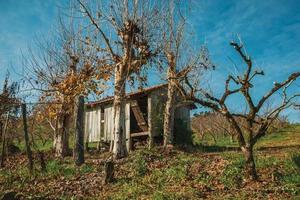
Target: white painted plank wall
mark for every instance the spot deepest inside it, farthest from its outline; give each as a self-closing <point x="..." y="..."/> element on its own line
<point x="93" y="125"/>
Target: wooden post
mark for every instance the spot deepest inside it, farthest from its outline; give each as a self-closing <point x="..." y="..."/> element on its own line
<point x="79" y="132"/>
<point x="1" y="131"/>
<point x="42" y="161"/>
<point x="108" y="171"/>
<point x="99" y="130"/>
<point x="150" y="129"/>
<point x="28" y="150"/>
<point x="86" y="132"/>
<point x="4" y="142"/>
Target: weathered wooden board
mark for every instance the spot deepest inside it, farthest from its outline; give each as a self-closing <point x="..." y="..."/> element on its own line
<point x="141" y="122"/>
<point x="153" y="126"/>
<point x="93" y="125"/>
<point x="127" y="126"/>
<point x="108" y="123"/>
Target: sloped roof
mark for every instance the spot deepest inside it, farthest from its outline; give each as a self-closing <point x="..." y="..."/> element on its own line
<point x="109" y="99"/>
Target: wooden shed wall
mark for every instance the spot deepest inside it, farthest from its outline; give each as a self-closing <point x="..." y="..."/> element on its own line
<point x="108" y="123"/>
<point x="158" y="99"/>
<point x="156" y="106"/>
<point x="93" y="125"/>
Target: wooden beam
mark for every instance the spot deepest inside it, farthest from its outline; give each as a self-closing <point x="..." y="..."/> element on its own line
<point x="138" y="114"/>
<point x="139" y="134"/>
<point x="150" y="131"/>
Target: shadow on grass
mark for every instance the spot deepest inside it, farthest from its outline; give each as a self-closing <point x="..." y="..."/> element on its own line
<point x="216" y="148"/>
<point x="277" y="147"/>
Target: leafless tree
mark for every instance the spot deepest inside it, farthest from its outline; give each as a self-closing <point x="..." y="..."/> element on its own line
<point x="257" y="123"/>
<point x="178" y="57"/>
<point x="8" y="105"/>
<point x="212" y="124"/>
<point x="215" y="125"/>
<point x="128" y="30"/>
<point x="63" y="69"/>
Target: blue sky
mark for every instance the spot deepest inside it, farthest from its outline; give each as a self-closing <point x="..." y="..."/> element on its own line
<point x="270" y="29"/>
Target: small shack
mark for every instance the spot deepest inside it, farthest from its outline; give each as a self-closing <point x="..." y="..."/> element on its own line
<point x="143" y="117"/>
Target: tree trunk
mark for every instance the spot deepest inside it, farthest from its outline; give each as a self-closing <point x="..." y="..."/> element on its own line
<point x="169" y="113"/>
<point x="79" y="133"/>
<point x="250" y="168"/>
<point x="62" y="136"/>
<point x="119" y="145"/>
<point x="55" y="132"/>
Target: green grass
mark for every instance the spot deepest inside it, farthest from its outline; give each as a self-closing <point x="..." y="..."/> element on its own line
<point x="278" y="138"/>
<point x="288" y="136"/>
<point x="155" y="174"/>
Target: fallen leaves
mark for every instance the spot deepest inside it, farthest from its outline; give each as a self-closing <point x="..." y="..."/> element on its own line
<point x="178" y="175"/>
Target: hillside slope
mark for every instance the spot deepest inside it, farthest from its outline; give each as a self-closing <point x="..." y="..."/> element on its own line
<point x="172" y="174"/>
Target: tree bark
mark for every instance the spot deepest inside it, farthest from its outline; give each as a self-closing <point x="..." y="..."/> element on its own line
<point x="250" y="167"/>
<point x="79" y="132"/>
<point x="169" y="114"/>
<point x="119" y="145"/>
<point x="62" y="136"/>
<point x="28" y="150"/>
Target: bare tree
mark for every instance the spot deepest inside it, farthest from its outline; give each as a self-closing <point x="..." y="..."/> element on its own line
<point x="172" y="45"/>
<point x="215" y="125"/>
<point x="8" y="104"/>
<point x="257" y="123"/>
<point x="65" y="68"/>
<point x="178" y="58"/>
<point x="211" y="123"/>
<point x="129" y="45"/>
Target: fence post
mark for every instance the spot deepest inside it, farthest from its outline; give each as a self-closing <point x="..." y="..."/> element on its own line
<point x="28" y="150"/>
<point x="3" y="154"/>
<point x="79" y="132"/>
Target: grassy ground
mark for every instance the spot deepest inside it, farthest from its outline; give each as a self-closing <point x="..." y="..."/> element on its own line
<point x="284" y="137"/>
<point x="174" y="174"/>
